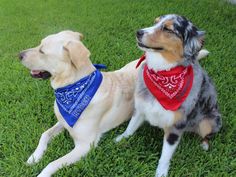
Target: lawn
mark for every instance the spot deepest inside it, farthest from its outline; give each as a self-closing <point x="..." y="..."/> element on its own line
<point x="26" y="105"/>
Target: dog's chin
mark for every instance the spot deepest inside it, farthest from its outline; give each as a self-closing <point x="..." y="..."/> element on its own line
<point x="40" y="74"/>
<point x="146" y="48"/>
<point x="142" y="47"/>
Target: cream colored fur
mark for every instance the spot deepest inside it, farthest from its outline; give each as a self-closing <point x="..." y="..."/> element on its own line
<point x="67" y="59"/>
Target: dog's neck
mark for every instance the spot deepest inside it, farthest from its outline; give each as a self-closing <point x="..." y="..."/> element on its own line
<point x="71" y="74"/>
<point x="157" y="62"/>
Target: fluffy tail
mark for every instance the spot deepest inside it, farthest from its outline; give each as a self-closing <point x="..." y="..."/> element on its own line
<point x="203" y="53"/>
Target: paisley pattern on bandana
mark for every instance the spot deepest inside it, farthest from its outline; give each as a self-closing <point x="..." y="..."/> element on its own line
<point x="170" y="88"/>
<point x="73" y="99"/>
<point x="169" y="85"/>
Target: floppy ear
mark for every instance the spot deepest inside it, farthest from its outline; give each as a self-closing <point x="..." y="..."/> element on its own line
<point x="78" y="53"/>
<point x="193" y="43"/>
<point x="76" y="34"/>
<point x="81" y="36"/>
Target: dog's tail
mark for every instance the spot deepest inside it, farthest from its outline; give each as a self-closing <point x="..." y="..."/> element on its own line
<point x="202" y="54"/>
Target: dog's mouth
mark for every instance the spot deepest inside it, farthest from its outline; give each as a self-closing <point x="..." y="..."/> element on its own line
<point x="40" y="74"/>
<point x="141" y="45"/>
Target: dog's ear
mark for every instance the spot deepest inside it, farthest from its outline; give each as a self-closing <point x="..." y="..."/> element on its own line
<point x="201" y="38"/>
<point x="81" y="36"/>
<point x="194" y="42"/>
<point x="78" y="53"/>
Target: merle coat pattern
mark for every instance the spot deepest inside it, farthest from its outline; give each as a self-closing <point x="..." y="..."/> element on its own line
<point x="199" y="112"/>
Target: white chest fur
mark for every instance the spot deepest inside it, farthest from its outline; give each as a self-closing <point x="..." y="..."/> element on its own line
<point x="157" y="62"/>
<point x="148" y="106"/>
<point x="154" y="113"/>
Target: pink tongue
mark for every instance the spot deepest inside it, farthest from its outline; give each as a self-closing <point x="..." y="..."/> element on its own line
<point x="35" y="72"/>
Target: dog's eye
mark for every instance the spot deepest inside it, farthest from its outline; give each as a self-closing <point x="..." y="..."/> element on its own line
<point x="170" y="31"/>
<point x="40" y="50"/>
<point x="167" y="30"/>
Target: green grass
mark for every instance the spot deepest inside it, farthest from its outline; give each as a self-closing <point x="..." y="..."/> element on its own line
<point x="26" y="105"/>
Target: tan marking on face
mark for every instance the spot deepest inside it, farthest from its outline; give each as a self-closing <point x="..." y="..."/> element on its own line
<point x="174" y="52"/>
<point x="169" y="24"/>
<point x="205" y="127"/>
<point x="173" y="45"/>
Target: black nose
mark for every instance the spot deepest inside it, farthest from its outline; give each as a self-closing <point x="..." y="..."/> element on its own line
<point x="140" y="33"/>
<point x="21" y="55"/>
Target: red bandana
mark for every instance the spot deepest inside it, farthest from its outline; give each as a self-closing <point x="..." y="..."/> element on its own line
<point x="170" y="88"/>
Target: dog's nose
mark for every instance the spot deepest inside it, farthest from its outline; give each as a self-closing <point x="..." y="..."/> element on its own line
<point x="21" y="55"/>
<point x="140" y="33"/>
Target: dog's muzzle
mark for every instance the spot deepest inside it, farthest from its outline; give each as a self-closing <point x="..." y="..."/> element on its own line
<point x="140" y="34"/>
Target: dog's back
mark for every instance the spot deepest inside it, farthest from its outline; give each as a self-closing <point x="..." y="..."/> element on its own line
<point x="117" y="87"/>
<point x="129" y="67"/>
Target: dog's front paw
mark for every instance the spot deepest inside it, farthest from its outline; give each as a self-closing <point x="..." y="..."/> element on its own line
<point x="205" y="145"/>
<point x="33" y="159"/>
<point x="162" y="170"/>
<point x="48" y="171"/>
<point x="161" y="174"/>
<point x="119" y="138"/>
<point x="43" y="175"/>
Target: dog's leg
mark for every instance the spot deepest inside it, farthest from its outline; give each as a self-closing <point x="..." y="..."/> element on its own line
<point x="207" y="127"/>
<point x="171" y="141"/>
<point x="79" y="151"/>
<point x="43" y="142"/>
<point x="134" y="124"/>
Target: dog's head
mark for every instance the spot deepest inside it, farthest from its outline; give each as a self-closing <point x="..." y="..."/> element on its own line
<point x="173" y="36"/>
<point x="55" y="55"/>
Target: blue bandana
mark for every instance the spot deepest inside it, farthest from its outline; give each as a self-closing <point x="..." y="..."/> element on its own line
<point x="73" y="99"/>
